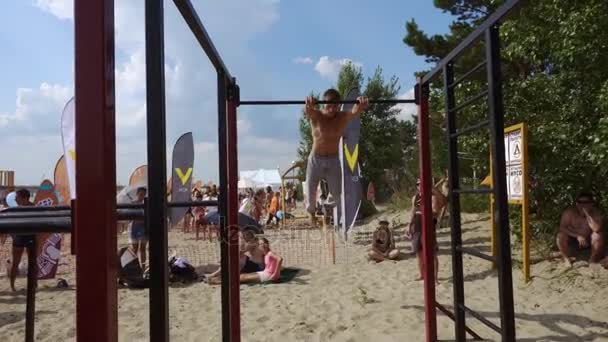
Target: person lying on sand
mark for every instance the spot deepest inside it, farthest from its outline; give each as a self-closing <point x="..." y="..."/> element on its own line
<point x="272" y="266"/>
<point x="251" y="257"/>
<point x="581" y="227"/>
<point x="271" y="271"/>
<point x="383" y="244"/>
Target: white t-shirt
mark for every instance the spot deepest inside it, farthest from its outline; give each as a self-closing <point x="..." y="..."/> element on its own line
<point x="212" y="209"/>
<point x="245" y="206"/>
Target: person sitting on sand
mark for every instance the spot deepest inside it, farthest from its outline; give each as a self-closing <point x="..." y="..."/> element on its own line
<point x="251" y="257"/>
<point x="415" y="228"/>
<point x="272" y="266"/>
<point x="581" y="227"/>
<point x="383" y="244"/>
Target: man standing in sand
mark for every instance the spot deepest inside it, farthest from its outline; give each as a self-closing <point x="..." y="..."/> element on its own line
<point x="327" y="127"/>
<point x="581" y="227"/>
<point x="20" y="242"/>
<point x="138" y="236"/>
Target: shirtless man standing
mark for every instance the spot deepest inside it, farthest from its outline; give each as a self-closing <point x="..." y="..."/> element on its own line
<point x="438" y="201"/>
<point x="581" y="225"/>
<point x="327" y="127"/>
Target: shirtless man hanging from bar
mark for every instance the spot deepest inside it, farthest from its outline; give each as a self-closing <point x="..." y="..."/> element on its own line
<point x="327" y="127"/>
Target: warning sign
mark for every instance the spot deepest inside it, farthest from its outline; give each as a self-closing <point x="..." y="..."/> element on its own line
<point x="514" y="157"/>
<point x="515" y="179"/>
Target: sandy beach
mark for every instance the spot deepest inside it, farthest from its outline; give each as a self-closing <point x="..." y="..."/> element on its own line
<point x="353" y="300"/>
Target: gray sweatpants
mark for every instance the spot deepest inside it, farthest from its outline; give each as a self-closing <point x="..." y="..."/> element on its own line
<point x="318" y="168"/>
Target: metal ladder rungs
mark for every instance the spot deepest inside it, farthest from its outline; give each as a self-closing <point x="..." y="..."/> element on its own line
<point x="468" y="102"/>
<point x="474" y="191"/>
<point x="482" y="319"/>
<point x="474" y="252"/>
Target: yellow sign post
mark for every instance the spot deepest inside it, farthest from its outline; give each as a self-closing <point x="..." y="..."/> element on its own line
<point x="516" y="158"/>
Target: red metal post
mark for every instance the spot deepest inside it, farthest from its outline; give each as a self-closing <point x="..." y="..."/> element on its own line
<point x="233" y="214"/>
<point x="428" y="228"/>
<point x="96" y="299"/>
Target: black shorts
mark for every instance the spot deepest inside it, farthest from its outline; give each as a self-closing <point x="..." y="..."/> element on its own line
<point x="23" y="241"/>
<point x="251" y="267"/>
<point x="417" y="235"/>
<point x="574" y="245"/>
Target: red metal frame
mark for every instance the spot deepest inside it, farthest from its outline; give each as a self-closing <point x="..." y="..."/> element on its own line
<point x="96" y="298"/>
<point x="428" y="229"/>
<point x="233" y="214"/>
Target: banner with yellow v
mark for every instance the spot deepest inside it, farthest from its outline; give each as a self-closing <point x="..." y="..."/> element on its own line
<point x="181" y="175"/>
<point x="348" y="206"/>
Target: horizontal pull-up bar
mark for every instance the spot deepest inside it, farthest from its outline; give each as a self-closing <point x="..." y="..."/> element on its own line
<point x="302" y="102"/>
<point x="208" y="203"/>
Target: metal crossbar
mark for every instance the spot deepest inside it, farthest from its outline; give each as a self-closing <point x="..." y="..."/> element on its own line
<point x="301" y="102"/>
<point x="468" y="73"/>
<point x="470" y="129"/>
<point x="118" y="206"/>
<point x="476" y="253"/>
<point x="474" y="191"/>
<point x="469" y="101"/>
<point x="481" y="318"/>
<point x="479" y="31"/>
<point x="200" y="33"/>
<point x="451" y="316"/>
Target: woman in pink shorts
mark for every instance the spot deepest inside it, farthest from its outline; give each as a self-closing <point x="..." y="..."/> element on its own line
<point x="272" y="263"/>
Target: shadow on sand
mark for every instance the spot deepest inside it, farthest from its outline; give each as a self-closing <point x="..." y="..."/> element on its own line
<point x="553" y="322"/>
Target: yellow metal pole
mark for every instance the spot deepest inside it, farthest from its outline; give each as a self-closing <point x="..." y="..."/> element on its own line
<point x="492" y="215"/>
<point x="525" y="205"/>
<point x="283" y="203"/>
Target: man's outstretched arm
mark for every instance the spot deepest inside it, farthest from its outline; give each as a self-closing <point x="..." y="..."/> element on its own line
<point x="358" y="108"/>
<point x="310" y="108"/>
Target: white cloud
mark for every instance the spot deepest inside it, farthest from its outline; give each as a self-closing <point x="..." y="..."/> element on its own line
<point x="329" y="68"/>
<point x="62" y="9"/>
<point x="407" y="109"/>
<point x="302" y="60"/>
<point x="36" y="110"/>
<point x="243" y="126"/>
<point x="4" y="119"/>
<point x="190" y="79"/>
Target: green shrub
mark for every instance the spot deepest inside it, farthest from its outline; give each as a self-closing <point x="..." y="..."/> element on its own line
<point x="474" y="204"/>
<point x="367" y="208"/>
<point x="400" y="200"/>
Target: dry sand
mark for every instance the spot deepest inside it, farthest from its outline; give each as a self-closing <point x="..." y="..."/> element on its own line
<point x="354" y="300"/>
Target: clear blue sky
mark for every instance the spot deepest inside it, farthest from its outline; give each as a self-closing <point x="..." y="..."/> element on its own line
<point x="280" y="49"/>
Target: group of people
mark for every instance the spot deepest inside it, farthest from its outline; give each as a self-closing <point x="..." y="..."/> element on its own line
<point x="267" y="204"/>
<point x="257" y="263"/>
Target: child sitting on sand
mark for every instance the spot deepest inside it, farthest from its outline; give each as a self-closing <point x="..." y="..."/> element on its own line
<point x="383" y="244"/>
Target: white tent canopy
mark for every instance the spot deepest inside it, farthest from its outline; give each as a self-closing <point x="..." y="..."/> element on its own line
<point x="260" y="178"/>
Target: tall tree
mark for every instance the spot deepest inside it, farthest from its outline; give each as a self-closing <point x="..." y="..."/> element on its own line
<point x="555" y="67"/>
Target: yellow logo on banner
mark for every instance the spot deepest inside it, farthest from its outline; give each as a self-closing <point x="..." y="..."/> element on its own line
<point x="183" y="177"/>
<point x="72" y="154"/>
<point x="351" y="159"/>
